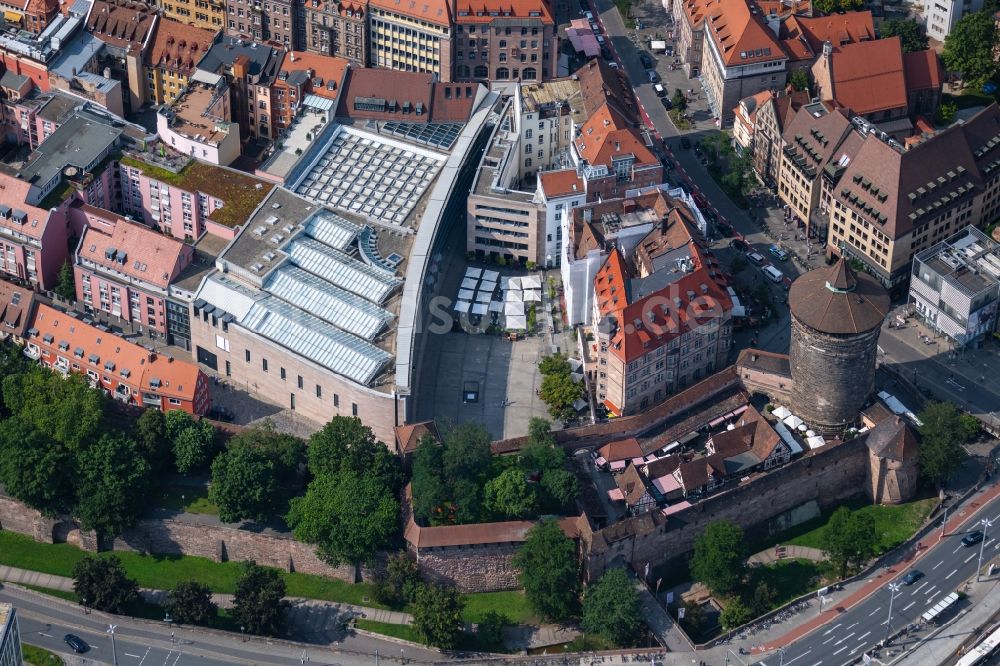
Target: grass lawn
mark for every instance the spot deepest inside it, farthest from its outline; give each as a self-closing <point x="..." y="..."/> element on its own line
<point x="404" y="631"/>
<point x="512" y="604"/>
<point x="894" y="524"/>
<point x="188" y="499"/>
<point x="789" y="578"/>
<point x="36" y="656"/>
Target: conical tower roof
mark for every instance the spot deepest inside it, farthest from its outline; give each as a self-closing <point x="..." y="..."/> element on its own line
<point x="837" y="300"/>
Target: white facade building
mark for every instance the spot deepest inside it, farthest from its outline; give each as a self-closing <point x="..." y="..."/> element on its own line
<point x="942" y="15"/>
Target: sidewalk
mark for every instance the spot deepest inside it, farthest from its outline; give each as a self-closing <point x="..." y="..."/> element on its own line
<point x="659" y="622"/>
<point x="770" y="555"/>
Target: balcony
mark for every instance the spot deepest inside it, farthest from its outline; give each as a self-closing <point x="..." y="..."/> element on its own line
<point x="32" y="353"/>
<point x="151" y="400"/>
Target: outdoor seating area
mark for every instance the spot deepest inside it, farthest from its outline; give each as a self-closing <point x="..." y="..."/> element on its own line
<point x="483" y="293"/>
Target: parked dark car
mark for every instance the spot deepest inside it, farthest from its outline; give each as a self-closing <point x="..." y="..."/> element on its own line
<point x="739" y="244"/>
<point x="972" y="538"/>
<point x="912" y="577"/>
<point x="667" y="104"/>
<point x="76" y="643"/>
<point x="647" y="62"/>
<point x="725" y="229"/>
<point x="220" y="413"/>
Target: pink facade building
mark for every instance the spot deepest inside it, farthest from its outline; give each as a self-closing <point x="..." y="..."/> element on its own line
<point x="124" y="269"/>
<point x="32" y="240"/>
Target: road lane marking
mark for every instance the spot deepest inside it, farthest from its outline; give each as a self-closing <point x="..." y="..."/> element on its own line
<point x="969" y="558"/>
<point x="921" y="585"/>
<point x="937" y="565"/>
<point x="852" y="626"/>
<point x="788" y="661"/>
<point x="908" y="607"/>
<point x="875" y="611"/>
<point x="145" y="655"/>
<point x="841" y="650"/>
<point x="863" y="636"/>
<point x="953" y="572"/>
<point x="831" y="629"/>
<point x="134" y="656"/>
<point x="931" y="589"/>
<point x="930" y="599"/>
<point x="845" y="638"/>
<point x="829" y="639"/>
<point x="818" y="663"/>
<point x="960" y="547"/>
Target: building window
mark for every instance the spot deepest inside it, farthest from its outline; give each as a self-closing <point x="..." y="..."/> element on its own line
<point x="263" y="364"/>
<point x="248" y="355"/>
<point x="336" y="400"/>
<point x="300" y="381"/>
<point x="354" y="409"/>
<point x="282" y="373"/>
<point x="319" y="391"/>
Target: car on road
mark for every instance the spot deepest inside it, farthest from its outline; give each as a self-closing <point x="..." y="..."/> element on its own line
<point x="685" y="143"/>
<point x="773" y="274"/>
<point x="756" y="258"/>
<point x="740" y="245"/>
<point x="653" y="78"/>
<point x="667" y="104"/>
<point x="669" y="51"/>
<point x="613" y="65"/>
<point x="605" y="53"/>
<point x="589" y="15"/>
<point x="647" y="62"/>
<point x="76" y="643"/>
<point x="659" y="90"/>
<point x="778" y="253"/>
<point x="725" y="229"/>
<point x="912" y="577"/>
<point x="972" y="538"/>
<point x="667" y="163"/>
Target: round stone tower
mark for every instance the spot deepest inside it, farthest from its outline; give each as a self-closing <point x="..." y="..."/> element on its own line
<point x="836" y="318"/>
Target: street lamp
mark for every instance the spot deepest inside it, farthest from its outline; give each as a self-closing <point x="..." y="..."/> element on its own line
<point x="893" y="588"/>
<point x="987" y="524"/>
<point x="114" y="650"/>
<point x="781" y="656"/>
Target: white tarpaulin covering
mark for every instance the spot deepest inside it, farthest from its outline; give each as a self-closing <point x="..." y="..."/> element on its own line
<point x="792" y="421"/>
<point x="516" y="323"/>
<point x="514" y="296"/>
<point x="532" y="295"/>
<point x="462" y="306"/>
<point x="781" y="412"/>
<point x="480" y="309"/>
<point x="815" y="442"/>
<point x="496" y="306"/>
<point x="484" y="297"/>
<point x="513" y="309"/>
<point x="488" y="286"/>
<point x="469" y="283"/>
<point x="531" y="282"/>
<point x="466" y="294"/>
<point x="513" y="283"/>
<point x="490" y="276"/>
<point x="473" y="272"/>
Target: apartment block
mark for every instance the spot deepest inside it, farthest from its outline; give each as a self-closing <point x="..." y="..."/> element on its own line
<point x="124" y="269"/>
<point x="10" y="637"/>
<point x="128" y="372"/>
<point x="250" y="69"/>
<point x="335" y="29"/>
<point x="942" y="15"/>
<point x="205" y="14"/>
<point x="758" y="124"/>
<point x="955" y="286"/>
<point x="266" y="21"/>
<point x="689" y="26"/>
<point x="198" y="121"/>
<point x="176" y="51"/>
<point x="126" y="28"/>
<point x="301" y="74"/>
<point x="411" y="36"/>
<point x="505" y="41"/>
<point x="549" y="114"/>
<point x="613" y="156"/>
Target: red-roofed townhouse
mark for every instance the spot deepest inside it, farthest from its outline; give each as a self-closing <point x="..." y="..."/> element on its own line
<point x="613" y="157"/>
<point x="127" y="371"/>
<point x="559" y="192"/>
<point x="663" y="317"/>
<point x="742" y="56"/>
<point x="505" y="40"/>
<point x="124" y="269"/>
<point x="32" y="240"/>
<point x="301" y="74"/>
<point x="689" y="29"/>
<point x="173" y="58"/>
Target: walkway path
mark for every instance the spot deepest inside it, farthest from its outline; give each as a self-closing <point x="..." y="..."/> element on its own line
<point x="660" y="622"/>
<point x="772" y="555"/>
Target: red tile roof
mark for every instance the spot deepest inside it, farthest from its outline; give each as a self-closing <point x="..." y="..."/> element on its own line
<point x="121" y="22"/>
<point x="622" y="449"/>
<point x="868" y="76"/>
<point x="838" y="29"/>
<point x="561" y="183"/>
<point x="14" y="193"/>
<point x="606" y="134"/>
<point x="16" y="309"/>
<point x="487" y="11"/>
<point x="179" y="47"/>
<point x="601" y="85"/>
<point x="437" y="12"/>
<point x="741" y="36"/>
<point x="408" y="436"/>
<point x="324" y="69"/>
<point x="923" y="70"/>
<point x="441" y="102"/>
<point x="149" y="255"/>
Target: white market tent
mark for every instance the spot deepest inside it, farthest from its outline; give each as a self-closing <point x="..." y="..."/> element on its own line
<point x="490" y="276"/>
<point x="496" y="306"/>
<point x="513" y="283"/>
<point x="484" y="297"/>
<point x="516" y="322"/>
<point x="466" y="294"/>
<point x="480" y="308"/>
<point x="815" y="442"/>
<point x="514" y="296"/>
<point x="513" y="309"/>
<point x="531" y="282"/>
<point x="792" y="421"/>
<point x="532" y="295"/>
<point x="469" y="283"/>
<point x="488" y="286"/>
<point x="781" y="412"/>
<point x="473" y="272"/>
<point x="462" y="306"/>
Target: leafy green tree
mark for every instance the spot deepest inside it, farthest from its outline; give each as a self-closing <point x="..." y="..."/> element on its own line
<point x="193" y="446"/>
<point x="349" y="516"/>
<point x="763" y="599"/>
<point x="66" y="283"/>
<point x="258" y="605"/>
<point x="540" y="452"/>
<point x="101" y="583"/>
<point x="559" y="392"/>
<point x="909" y="32"/>
<point x="694" y="619"/>
<point x="549" y="572"/>
<point x="244" y="484"/>
<point x="430" y="491"/>
<point x="944" y="433"/>
<point x="190" y="602"/>
<point x="467" y="452"/>
<point x="176" y="421"/>
<point x="113" y="479"/>
<point x="286" y="451"/>
<point x="346" y="443"/>
<point x="718" y="557"/>
<point x="735" y="614"/>
<point x="970" y="46"/>
<point x="510" y="495"/>
<point x="151" y="435"/>
<point x="66" y="409"/>
<point x="799" y="80"/>
<point x="35" y="468"/>
<point x="561" y="487"/>
<point x="611" y="608"/>
<point x="556" y="364"/>
<point x="679" y="100"/>
<point x="490" y="629"/>
<point x="849" y="539"/>
<point x="398" y="584"/>
<point x="437" y="615"/>
<point x="467" y="501"/>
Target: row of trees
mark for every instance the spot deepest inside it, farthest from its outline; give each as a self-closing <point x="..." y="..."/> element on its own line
<point x="458" y="480"/>
<point x="559" y="391"/>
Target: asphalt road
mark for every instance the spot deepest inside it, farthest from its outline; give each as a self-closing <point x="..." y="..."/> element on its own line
<point x="860" y="628"/>
<point x="44" y="622"/>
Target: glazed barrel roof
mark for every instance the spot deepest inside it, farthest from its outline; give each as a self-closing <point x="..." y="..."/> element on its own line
<point x="837" y="300"/>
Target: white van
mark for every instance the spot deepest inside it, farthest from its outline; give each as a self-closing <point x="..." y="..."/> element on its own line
<point x="658" y="89"/>
<point x="773" y="274"/>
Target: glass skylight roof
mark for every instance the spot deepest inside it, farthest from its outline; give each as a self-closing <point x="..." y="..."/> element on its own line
<point x="332" y="229"/>
<point x="317" y="296"/>
<point x="342" y="270"/>
<point x="317" y="340"/>
<point x="438" y="135"/>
